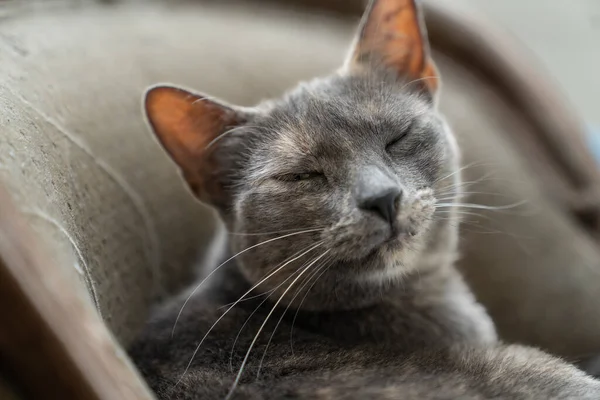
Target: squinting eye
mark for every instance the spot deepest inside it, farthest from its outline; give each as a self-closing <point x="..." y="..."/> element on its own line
<point x="298" y="177"/>
<point x="395" y="141"/>
<point x="398" y="139"/>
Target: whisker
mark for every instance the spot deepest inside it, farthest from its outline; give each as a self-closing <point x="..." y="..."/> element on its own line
<point x="454" y="173"/>
<point x="302" y="301"/>
<point x="490" y="230"/>
<point x="256" y="309"/>
<point x="271" y="233"/>
<point x="463" y="184"/>
<point x="462" y="212"/>
<point x="442" y="199"/>
<point x="461" y="224"/>
<point x="482" y="206"/>
<point x="462" y="195"/>
<point x="317" y="269"/>
<point x="241" y="371"/>
<point x="242" y="328"/>
<point x="234" y="304"/>
<point x="225" y="262"/>
<point x="268" y="292"/>
<point x="487" y="176"/>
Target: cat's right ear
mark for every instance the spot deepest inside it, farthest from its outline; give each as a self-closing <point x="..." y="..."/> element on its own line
<point x="187" y="125"/>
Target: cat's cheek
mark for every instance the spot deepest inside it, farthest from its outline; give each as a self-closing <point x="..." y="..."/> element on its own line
<point x="430" y="165"/>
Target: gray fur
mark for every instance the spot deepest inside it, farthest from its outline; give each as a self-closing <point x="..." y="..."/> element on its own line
<point x="383" y="314"/>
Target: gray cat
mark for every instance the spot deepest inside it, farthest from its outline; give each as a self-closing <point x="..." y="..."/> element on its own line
<point x="340" y="200"/>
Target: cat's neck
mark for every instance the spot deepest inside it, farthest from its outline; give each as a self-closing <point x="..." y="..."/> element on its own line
<point x="329" y="293"/>
<point x="430" y="306"/>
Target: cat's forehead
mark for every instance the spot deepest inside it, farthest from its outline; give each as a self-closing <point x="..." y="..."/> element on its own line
<point x="341" y="114"/>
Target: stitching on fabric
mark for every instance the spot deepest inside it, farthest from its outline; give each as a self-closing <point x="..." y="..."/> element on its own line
<point x="86" y="272"/>
<point x="152" y="251"/>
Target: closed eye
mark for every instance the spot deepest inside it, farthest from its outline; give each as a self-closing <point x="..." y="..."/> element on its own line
<point x="395" y="141"/>
<point x="398" y="138"/>
<point x="297" y="177"/>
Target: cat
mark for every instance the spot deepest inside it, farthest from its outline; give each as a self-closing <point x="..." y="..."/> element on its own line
<point x="340" y="200"/>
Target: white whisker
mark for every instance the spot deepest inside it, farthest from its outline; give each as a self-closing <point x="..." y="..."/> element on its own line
<point x="268" y="292"/>
<point x="244" y="325"/>
<point x="462" y="184"/>
<point x="241" y="371"/>
<point x="464" y="194"/>
<point x="225" y="262"/>
<point x="300" y="305"/>
<point x="256" y="309"/>
<point x="284" y="312"/>
<point x="271" y="233"/>
<point x="234" y="304"/>
<point x="481" y="206"/>
<point x="453" y="173"/>
<point x="466" y="213"/>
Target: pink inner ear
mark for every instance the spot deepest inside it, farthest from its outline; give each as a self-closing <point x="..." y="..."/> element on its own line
<point x="185" y="124"/>
<point x="393" y="34"/>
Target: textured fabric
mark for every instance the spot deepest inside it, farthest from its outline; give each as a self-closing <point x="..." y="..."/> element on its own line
<point x="76" y="153"/>
<point x="80" y="162"/>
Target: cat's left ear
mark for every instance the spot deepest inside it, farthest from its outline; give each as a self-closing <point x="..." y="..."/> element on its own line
<point x="392" y="34"/>
<point x="188" y="126"/>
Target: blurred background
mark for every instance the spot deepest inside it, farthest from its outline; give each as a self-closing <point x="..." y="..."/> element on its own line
<point x="563" y="34"/>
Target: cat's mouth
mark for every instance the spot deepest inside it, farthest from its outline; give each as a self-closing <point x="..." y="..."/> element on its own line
<point x="369" y="239"/>
<point x="375" y="244"/>
<point x="395" y="242"/>
<point x="398" y="239"/>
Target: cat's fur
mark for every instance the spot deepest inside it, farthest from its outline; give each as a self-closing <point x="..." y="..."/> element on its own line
<point x="355" y="306"/>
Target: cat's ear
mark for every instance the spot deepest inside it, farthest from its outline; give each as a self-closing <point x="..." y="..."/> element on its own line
<point x="392" y="34"/>
<point x="187" y="125"/>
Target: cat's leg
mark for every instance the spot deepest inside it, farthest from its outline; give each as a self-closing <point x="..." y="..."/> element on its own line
<point x="516" y="372"/>
<point x="496" y="372"/>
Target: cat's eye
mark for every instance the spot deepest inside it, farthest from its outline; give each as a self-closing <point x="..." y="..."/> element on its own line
<point x="297" y="177"/>
<point x="395" y="141"/>
<point x="400" y="136"/>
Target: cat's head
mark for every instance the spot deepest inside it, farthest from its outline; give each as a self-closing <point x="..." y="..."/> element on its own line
<point x="340" y="176"/>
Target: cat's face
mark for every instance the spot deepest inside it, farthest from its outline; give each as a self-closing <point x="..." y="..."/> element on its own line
<point x="340" y="176"/>
<point x="356" y="160"/>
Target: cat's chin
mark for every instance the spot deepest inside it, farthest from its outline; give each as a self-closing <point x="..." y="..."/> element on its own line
<point x="397" y="241"/>
<point x="392" y="257"/>
<point x="391" y="244"/>
<point x="394" y="244"/>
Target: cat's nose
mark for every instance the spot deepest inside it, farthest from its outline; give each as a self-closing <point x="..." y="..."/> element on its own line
<point x="384" y="203"/>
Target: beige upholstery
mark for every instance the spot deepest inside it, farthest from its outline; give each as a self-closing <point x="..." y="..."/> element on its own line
<point x="97" y="189"/>
<point x="77" y="156"/>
